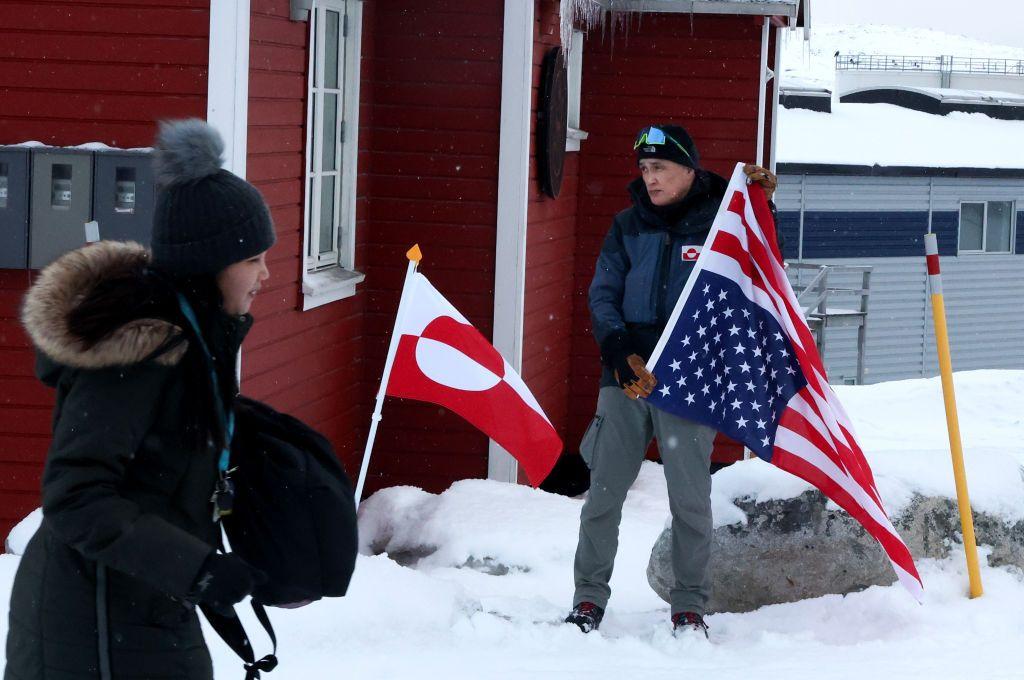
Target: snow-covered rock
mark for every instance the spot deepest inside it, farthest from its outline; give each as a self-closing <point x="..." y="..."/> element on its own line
<point x="798" y="548"/>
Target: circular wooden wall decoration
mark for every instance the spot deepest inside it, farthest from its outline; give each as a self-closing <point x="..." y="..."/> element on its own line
<point x="552" y="110"/>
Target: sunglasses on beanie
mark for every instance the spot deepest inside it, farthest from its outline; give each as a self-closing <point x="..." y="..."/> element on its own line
<point x="655" y="136"/>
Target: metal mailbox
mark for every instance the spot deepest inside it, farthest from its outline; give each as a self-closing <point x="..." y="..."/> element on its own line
<point x="60" y="203"/>
<point x="14" y="168"/>
<point x="123" y="195"/>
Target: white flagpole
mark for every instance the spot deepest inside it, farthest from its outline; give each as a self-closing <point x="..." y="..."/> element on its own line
<point x="414" y="256"/>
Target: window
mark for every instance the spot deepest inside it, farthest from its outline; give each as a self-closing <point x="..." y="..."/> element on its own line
<point x="331" y="124"/>
<point x="986" y="227"/>
<point x="574" y="75"/>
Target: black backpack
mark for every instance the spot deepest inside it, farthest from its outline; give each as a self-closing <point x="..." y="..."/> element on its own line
<point x="293" y="517"/>
<point x="286" y="506"/>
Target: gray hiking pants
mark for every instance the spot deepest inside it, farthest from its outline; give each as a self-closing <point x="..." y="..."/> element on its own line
<point x="613" y="448"/>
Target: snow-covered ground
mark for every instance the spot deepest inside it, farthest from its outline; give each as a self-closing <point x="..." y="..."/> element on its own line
<point x="488" y="600"/>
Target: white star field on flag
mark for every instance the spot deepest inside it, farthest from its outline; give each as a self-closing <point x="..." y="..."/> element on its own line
<point x="738" y="380"/>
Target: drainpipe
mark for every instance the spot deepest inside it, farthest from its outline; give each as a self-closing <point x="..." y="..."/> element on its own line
<point x="775" y="95"/>
<point x="762" y="84"/>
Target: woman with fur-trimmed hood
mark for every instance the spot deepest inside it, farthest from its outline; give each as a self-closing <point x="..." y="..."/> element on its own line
<point x="134" y="342"/>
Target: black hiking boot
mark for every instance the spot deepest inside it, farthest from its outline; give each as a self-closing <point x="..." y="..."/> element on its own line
<point x="685" y="623"/>
<point x="586" y="616"/>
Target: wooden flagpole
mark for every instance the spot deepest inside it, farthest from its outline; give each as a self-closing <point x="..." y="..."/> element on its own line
<point x="414" y="255"/>
<point x="952" y="422"/>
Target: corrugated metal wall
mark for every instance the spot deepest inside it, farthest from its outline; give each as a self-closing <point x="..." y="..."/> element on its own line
<point x="982" y="292"/>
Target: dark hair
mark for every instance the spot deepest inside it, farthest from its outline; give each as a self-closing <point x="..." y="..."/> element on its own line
<point x="146" y="293"/>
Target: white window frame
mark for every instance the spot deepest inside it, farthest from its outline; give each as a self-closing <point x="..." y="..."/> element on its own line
<point x="984" y="229"/>
<point x="332" y="276"/>
<point x="574" y="75"/>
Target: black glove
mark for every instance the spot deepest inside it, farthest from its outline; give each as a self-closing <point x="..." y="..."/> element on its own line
<point x="224" y="580"/>
<point x="615" y="350"/>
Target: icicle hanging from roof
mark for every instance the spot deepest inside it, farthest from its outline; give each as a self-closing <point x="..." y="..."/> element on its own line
<point x="591" y="14"/>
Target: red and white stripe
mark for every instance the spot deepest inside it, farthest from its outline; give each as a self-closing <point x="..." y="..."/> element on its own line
<point x="815" y="439"/>
<point x="931" y="251"/>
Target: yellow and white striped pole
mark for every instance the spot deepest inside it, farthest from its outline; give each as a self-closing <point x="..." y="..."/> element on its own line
<point x="963" y="500"/>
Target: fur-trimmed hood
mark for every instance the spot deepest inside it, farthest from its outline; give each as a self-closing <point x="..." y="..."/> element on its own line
<point x="69" y="280"/>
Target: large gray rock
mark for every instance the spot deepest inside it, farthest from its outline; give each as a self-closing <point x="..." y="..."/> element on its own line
<point x="798" y="548"/>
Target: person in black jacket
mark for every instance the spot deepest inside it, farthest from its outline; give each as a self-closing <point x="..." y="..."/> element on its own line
<point x="108" y="585"/>
<point x="644" y="263"/>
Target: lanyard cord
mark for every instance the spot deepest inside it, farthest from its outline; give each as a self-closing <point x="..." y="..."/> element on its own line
<point x="227" y="419"/>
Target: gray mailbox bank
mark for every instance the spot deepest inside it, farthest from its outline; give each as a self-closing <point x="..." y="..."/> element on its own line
<point x="122" y="204"/>
<point x="61" y="203"/>
<point x="14" y="165"/>
<point x="54" y="200"/>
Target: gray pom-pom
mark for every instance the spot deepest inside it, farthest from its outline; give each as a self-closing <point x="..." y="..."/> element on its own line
<point x="186" y="150"/>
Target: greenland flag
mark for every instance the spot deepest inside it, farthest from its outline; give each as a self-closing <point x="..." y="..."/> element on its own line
<point x="441" y="358"/>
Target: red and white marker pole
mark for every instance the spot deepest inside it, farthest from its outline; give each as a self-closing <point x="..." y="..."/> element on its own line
<point x="931" y="249"/>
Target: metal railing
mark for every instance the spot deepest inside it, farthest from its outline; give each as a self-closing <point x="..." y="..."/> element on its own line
<point x="939" y="64"/>
<point x="814" y="298"/>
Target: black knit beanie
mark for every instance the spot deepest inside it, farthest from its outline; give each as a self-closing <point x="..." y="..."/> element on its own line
<point x="206" y="218"/>
<point x="677" y="146"/>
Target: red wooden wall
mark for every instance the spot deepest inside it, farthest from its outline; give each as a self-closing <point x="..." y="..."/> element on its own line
<point x="70" y="73"/>
<point x="700" y="72"/>
<point x="550" y="248"/>
<point x="432" y="96"/>
<point x="86" y="71"/>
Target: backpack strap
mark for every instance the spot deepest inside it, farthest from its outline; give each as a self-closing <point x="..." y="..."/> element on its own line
<point x="230" y="629"/>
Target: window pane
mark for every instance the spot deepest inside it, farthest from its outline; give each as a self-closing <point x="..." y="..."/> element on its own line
<point x="314" y="136"/>
<point x="1000" y="215"/>
<point x="331" y="50"/>
<point x="311" y="246"/>
<point x="330" y="118"/>
<point x="971" y="220"/>
<point x="327" y="215"/>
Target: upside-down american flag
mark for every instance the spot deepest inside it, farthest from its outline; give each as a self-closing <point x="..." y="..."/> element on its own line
<point x="738" y="356"/>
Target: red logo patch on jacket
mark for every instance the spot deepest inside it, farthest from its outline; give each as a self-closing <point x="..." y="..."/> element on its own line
<point x="690" y="253"/>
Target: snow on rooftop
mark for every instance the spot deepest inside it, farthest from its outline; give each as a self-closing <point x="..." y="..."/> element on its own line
<point x="889" y="135"/>
<point x="885" y="134"/>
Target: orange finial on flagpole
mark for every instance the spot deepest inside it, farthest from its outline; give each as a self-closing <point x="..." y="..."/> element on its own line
<point x="415" y="254"/>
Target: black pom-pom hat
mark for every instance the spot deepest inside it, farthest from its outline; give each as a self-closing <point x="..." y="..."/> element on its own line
<point x="206" y="217"/>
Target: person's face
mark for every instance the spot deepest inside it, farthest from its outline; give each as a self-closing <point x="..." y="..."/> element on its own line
<point x="240" y="282"/>
<point x="666" y="182"/>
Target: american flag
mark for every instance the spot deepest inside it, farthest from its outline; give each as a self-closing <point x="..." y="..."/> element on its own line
<point x="738" y="356"/>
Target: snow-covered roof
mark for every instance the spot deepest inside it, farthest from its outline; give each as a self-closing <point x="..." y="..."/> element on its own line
<point x="885" y="134"/>
<point x="889" y="135"/>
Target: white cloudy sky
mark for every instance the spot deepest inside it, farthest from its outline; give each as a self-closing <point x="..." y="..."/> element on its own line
<point x="998" y="21"/>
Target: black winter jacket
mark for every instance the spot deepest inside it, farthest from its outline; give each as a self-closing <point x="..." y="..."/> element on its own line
<point x="641" y="270"/>
<point x="127" y="521"/>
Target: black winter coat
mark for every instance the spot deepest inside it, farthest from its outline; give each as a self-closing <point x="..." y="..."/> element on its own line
<point x="641" y="271"/>
<point x="127" y="520"/>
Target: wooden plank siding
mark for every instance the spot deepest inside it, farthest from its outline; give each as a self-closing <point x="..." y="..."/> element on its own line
<point x="698" y="71"/>
<point x="550" y="254"/>
<point x="431" y="100"/>
<point x="70" y="73"/>
<point x="25" y="405"/>
<point x="84" y="71"/>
